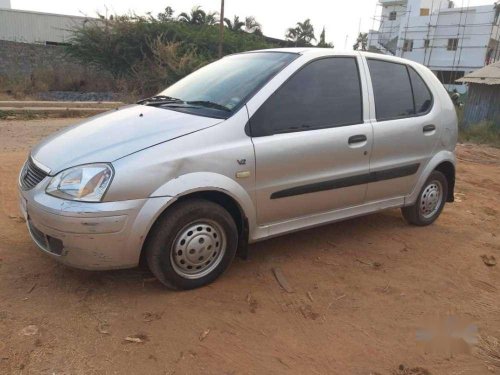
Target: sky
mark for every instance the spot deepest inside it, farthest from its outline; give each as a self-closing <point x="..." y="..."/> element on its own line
<point x="342" y="19"/>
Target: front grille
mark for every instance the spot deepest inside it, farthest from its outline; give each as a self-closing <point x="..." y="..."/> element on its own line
<point x="38" y="235"/>
<point x="31" y="175"/>
<point x="47" y="243"/>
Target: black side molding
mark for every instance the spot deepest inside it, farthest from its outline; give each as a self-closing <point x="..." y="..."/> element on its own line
<point x="387" y="174"/>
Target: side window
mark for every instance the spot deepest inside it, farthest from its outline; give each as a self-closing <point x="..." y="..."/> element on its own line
<point x="324" y="93"/>
<point x="421" y="93"/>
<point x="392" y="90"/>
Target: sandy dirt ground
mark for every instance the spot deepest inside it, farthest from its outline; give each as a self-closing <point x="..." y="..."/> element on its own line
<point x="363" y="290"/>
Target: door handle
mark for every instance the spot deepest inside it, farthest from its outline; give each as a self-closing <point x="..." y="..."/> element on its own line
<point x="429" y="128"/>
<point x="357" y="139"/>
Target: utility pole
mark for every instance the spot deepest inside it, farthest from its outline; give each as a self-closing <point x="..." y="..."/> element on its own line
<point x="221" y="27"/>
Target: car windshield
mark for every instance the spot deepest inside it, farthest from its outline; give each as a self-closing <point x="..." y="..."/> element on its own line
<point x="222" y="87"/>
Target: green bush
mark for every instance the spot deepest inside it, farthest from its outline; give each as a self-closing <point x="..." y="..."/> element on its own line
<point x="147" y="54"/>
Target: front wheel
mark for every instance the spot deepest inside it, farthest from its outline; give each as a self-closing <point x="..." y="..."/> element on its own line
<point x="430" y="201"/>
<point x="192" y="244"/>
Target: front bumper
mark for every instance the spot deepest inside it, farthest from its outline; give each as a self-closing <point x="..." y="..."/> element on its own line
<point x="92" y="236"/>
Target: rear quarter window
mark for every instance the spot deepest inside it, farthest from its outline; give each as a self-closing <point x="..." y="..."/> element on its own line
<point x="421" y="93"/>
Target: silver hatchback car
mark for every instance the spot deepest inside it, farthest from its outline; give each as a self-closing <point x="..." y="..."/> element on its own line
<point x="252" y="146"/>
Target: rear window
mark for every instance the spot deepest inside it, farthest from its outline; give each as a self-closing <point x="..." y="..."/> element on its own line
<point x="398" y="90"/>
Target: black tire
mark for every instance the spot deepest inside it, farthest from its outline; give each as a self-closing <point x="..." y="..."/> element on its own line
<point x="162" y="257"/>
<point x="414" y="215"/>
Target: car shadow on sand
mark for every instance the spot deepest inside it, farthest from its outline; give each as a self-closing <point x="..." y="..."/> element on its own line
<point x="350" y="234"/>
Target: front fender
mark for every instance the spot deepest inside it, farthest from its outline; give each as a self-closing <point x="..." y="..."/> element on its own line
<point x="208" y="181"/>
<point x="440" y="157"/>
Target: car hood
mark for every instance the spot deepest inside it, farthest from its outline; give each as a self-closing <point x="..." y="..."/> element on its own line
<point x="116" y="134"/>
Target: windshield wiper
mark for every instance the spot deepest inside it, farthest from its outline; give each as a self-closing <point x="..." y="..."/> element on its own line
<point x="209" y="104"/>
<point x="159" y="100"/>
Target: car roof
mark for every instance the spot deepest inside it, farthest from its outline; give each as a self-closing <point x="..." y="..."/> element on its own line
<point x="332" y="52"/>
<point x="306" y="50"/>
<point x="337" y="52"/>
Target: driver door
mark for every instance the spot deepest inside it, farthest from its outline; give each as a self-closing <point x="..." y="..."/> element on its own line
<point x="311" y="142"/>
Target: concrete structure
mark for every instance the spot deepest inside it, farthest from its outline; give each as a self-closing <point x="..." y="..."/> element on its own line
<point x="32" y="55"/>
<point x="450" y="41"/>
<point x="483" y="99"/>
<point x="37" y="28"/>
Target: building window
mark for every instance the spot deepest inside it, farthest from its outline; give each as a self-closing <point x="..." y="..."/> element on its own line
<point x="424" y="11"/>
<point x="452" y="44"/>
<point x="427" y="43"/>
<point x="392" y="15"/>
<point x="408" y="45"/>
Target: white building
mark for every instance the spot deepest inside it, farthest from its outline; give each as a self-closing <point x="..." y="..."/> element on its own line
<point x="36" y="27"/>
<point x="450" y="41"/>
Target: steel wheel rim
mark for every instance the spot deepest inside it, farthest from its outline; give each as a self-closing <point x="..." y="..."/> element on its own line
<point x="430" y="199"/>
<point x="198" y="249"/>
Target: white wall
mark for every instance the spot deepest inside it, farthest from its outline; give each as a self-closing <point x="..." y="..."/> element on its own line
<point x="34" y="27"/>
<point x="474" y="34"/>
<point x="473" y="27"/>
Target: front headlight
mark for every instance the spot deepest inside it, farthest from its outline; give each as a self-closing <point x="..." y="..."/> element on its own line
<point x="86" y="183"/>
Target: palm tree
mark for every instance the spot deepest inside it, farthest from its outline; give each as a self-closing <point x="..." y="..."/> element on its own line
<point x="198" y="16"/>
<point x="322" y="40"/>
<point x="252" y="26"/>
<point x="302" y="34"/>
<point x="167" y="15"/>
<point x="361" y="42"/>
<point x="211" y="18"/>
<point x="236" y="25"/>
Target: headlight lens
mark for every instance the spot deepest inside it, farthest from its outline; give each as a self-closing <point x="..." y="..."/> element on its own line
<point x="86" y="183"/>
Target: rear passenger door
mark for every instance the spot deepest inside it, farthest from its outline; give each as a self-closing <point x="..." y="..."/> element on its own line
<point x="311" y="142"/>
<point x="404" y="127"/>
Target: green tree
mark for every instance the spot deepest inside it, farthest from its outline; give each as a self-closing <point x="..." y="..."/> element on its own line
<point x="252" y="26"/>
<point x="146" y="55"/>
<point x="235" y="25"/>
<point x="361" y="42"/>
<point x="302" y="34"/>
<point x="322" y="40"/>
<point x="198" y="16"/>
<point x="167" y="15"/>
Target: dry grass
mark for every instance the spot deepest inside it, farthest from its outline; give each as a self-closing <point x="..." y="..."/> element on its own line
<point x="484" y="133"/>
<point x="487" y="133"/>
<point x="51" y="79"/>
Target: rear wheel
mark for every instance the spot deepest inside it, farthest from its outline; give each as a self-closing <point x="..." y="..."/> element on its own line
<point x="192" y="244"/>
<point x="430" y="201"/>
